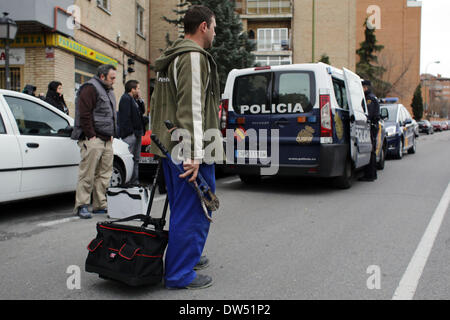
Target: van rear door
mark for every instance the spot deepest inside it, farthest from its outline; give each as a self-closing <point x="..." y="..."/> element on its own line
<point x="250" y="118"/>
<point x="293" y="115"/>
<point x="360" y="143"/>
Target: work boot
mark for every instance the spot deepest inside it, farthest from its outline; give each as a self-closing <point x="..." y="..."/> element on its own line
<point x="202" y="263"/>
<point x="83" y="212"/>
<point x="100" y="211"/>
<point x="201" y="281"/>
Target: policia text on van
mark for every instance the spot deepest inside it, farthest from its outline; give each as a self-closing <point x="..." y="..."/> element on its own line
<point x="318" y="111"/>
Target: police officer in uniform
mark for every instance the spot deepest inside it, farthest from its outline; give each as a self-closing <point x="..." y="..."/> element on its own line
<point x="370" y="171"/>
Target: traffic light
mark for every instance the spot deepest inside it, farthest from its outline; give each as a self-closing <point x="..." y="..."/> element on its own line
<point x="130" y="65"/>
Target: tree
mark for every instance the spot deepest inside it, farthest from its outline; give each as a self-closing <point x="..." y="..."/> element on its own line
<point x="325" y="58"/>
<point x="367" y="67"/>
<point x="417" y="103"/>
<point x="232" y="48"/>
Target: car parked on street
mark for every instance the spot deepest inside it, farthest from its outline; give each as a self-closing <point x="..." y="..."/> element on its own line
<point x="444" y="125"/>
<point x="425" y="126"/>
<point x="319" y="113"/>
<point x="38" y="157"/>
<point x="436" y="126"/>
<point x="400" y="130"/>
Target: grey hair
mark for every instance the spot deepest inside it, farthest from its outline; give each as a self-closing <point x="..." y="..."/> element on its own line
<point x="104" y="69"/>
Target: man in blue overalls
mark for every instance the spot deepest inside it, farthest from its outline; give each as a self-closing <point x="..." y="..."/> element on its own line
<point x="187" y="93"/>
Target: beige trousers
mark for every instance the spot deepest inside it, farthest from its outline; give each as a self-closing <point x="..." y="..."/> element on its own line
<point x="94" y="173"/>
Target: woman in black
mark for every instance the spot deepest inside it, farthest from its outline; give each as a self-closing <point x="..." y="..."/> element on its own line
<point x="55" y="97"/>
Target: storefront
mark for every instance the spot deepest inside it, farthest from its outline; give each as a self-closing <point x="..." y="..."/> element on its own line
<point x="38" y="59"/>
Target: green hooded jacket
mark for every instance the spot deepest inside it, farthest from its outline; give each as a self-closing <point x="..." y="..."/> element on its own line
<point x="187" y="93"/>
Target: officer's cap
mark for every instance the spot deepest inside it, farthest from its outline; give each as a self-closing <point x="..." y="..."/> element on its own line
<point x="366" y="83"/>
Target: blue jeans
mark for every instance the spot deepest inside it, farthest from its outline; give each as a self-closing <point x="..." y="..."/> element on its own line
<point x="188" y="227"/>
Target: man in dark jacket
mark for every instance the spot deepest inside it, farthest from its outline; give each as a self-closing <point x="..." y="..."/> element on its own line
<point x="370" y="171"/>
<point x="131" y="124"/>
<point x="95" y="129"/>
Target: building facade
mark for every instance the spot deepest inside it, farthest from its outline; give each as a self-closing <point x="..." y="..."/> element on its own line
<point x="67" y="40"/>
<point x="436" y="96"/>
<point x="300" y="31"/>
<point x="398" y="29"/>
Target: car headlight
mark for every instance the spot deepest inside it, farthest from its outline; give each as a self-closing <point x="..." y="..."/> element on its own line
<point x="390" y="131"/>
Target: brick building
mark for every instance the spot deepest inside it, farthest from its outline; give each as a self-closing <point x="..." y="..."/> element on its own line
<point x="436" y="95"/>
<point x="398" y="29"/>
<point x="49" y="47"/>
<point x="300" y="31"/>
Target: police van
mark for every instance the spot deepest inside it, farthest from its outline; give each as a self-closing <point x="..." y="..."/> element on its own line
<point x="306" y="119"/>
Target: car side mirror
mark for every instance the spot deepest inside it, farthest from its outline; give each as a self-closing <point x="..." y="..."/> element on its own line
<point x="66" y="132"/>
<point x="408" y="121"/>
<point x="384" y="113"/>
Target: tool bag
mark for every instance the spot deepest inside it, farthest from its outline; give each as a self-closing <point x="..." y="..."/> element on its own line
<point x="130" y="254"/>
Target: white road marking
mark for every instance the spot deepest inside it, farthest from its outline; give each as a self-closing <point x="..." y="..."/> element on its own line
<point x="408" y="284"/>
<point x="231" y="181"/>
<point x="64" y="220"/>
<point x="55" y="222"/>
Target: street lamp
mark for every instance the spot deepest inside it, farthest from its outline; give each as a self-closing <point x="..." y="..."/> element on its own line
<point x="426" y="89"/>
<point x="8" y="30"/>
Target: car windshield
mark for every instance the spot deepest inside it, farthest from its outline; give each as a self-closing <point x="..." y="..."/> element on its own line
<point x="392" y="109"/>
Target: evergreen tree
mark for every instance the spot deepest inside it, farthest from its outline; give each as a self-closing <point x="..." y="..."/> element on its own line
<point x="231" y="48"/>
<point x="417" y="103"/>
<point x="367" y="67"/>
<point x="325" y="58"/>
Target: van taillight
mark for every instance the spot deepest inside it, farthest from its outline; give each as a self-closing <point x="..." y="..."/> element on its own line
<point x="326" y="128"/>
<point x="223" y="116"/>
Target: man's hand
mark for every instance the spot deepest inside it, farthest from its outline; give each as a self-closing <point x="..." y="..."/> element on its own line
<point x="191" y="168"/>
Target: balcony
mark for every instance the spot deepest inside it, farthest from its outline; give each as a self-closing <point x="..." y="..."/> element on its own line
<point x="264" y="9"/>
<point x="270" y="45"/>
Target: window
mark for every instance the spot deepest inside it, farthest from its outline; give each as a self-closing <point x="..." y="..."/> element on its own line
<point x="105" y="5"/>
<point x="251" y="90"/>
<point x="15" y="76"/>
<point x="340" y="93"/>
<point x="140" y="21"/>
<point x="2" y="126"/>
<point x="295" y="88"/>
<point x="268" y="6"/>
<point x="272" y="39"/>
<point x="273" y="60"/>
<point x="35" y="119"/>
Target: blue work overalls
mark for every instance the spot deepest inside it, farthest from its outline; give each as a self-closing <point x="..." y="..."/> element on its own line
<point x="188" y="227"/>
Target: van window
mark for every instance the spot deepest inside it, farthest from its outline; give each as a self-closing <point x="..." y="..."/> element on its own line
<point x="251" y="90"/>
<point x="295" y="90"/>
<point x="340" y="93"/>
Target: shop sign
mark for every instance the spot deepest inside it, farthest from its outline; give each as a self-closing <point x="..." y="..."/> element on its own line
<point x="83" y="51"/>
<point x="16" y="56"/>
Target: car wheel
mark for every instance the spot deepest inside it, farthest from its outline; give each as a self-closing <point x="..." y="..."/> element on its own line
<point x="399" y="151"/>
<point x="118" y="175"/>
<point x="250" y="179"/>
<point x="412" y="150"/>
<point x="346" y="180"/>
<point x="380" y="164"/>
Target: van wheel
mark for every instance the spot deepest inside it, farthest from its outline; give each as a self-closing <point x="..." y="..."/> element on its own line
<point x="250" y="179"/>
<point x="346" y="180"/>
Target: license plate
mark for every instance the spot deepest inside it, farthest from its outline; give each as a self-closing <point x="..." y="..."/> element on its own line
<point x="147" y="160"/>
<point x="251" y="154"/>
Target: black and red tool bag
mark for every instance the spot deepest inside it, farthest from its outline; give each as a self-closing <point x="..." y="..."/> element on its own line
<point x="130" y="254"/>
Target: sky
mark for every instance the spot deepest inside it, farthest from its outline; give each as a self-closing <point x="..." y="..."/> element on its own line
<point x="435" y="44"/>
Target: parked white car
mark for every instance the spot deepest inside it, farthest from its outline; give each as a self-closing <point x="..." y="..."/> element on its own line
<point x="37" y="156"/>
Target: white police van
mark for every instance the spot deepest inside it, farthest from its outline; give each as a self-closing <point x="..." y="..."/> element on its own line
<point x="309" y="120"/>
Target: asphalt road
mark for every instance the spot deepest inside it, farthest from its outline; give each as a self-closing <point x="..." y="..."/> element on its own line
<point x="282" y="239"/>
